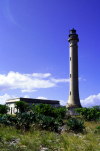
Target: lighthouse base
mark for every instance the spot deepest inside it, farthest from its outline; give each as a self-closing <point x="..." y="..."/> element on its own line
<point x="71" y="109"/>
<point x="71" y="112"/>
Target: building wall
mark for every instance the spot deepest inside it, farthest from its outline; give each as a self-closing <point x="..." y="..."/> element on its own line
<point x="13" y="110"/>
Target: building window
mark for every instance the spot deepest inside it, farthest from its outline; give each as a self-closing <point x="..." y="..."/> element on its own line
<point x="11" y="110"/>
<point x="70" y="92"/>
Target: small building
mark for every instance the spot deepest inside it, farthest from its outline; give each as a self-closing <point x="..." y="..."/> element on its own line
<point x="30" y="101"/>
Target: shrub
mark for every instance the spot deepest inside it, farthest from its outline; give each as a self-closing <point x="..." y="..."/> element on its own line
<point x="46" y="122"/>
<point x="22" y="106"/>
<point x="24" y="120"/>
<point x="4" y="109"/>
<point x="48" y="110"/>
<point x="4" y="119"/>
<point x="96" y="107"/>
<point x="62" y="112"/>
<point x="98" y="127"/>
<point x="89" y="113"/>
<point x="44" y="109"/>
<point x="97" y="130"/>
<point x="75" y="125"/>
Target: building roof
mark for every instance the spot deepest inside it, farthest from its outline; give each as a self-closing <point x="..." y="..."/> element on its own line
<point x="31" y="100"/>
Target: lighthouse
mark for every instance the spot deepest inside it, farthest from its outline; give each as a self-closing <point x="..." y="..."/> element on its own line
<point x="74" y="100"/>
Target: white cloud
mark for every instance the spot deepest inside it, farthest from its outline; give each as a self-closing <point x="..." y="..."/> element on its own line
<point x="59" y="80"/>
<point x="40" y="75"/>
<point x="23" y="91"/>
<point x="63" y="103"/>
<point x="81" y="79"/>
<point x="28" y="82"/>
<point x="92" y="100"/>
<point x="26" y="96"/>
<point x="3" y="98"/>
<point x="64" y="80"/>
<point x="41" y="97"/>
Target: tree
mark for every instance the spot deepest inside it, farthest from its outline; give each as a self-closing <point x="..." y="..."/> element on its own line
<point x="22" y="106"/>
<point x="4" y="109"/>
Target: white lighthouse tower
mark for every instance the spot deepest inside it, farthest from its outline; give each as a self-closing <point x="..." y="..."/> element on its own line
<point x="74" y="101"/>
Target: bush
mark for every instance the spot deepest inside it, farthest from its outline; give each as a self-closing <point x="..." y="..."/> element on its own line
<point x="48" y="110"/>
<point x="4" y="109"/>
<point x="5" y="119"/>
<point x="89" y="114"/>
<point x="24" y="121"/>
<point x="75" y="125"/>
<point x="97" y="130"/>
<point x="44" y="109"/>
<point x="22" y="106"/>
<point x="98" y="127"/>
<point x="49" y="123"/>
<point x="46" y="122"/>
<point x="62" y="112"/>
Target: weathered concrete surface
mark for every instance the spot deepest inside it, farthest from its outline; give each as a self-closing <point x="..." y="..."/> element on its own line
<point x="72" y="112"/>
<point x="74" y="100"/>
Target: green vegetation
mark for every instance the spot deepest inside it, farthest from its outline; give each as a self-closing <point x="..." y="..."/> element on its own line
<point x="75" y="125"/>
<point x="22" y="106"/>
<point x="89" y="114"/>
<point x="48" y="110"/>
<point x="39" y="116"/>
<point x="4" y="109"/>
<point x="33" y="131"/>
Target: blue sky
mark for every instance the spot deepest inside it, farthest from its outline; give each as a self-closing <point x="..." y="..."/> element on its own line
<point x="34" y="49"/>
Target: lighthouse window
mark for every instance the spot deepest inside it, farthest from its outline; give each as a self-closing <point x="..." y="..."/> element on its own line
<point x="70" y="58"/>
<point x="70" y="92"/>
<point x="70" y="75"/>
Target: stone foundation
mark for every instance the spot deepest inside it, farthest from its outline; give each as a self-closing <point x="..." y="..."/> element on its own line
<point x="72" y="112"/>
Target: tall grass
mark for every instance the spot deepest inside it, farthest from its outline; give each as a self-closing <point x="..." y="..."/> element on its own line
<point x="36" y="139"/>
